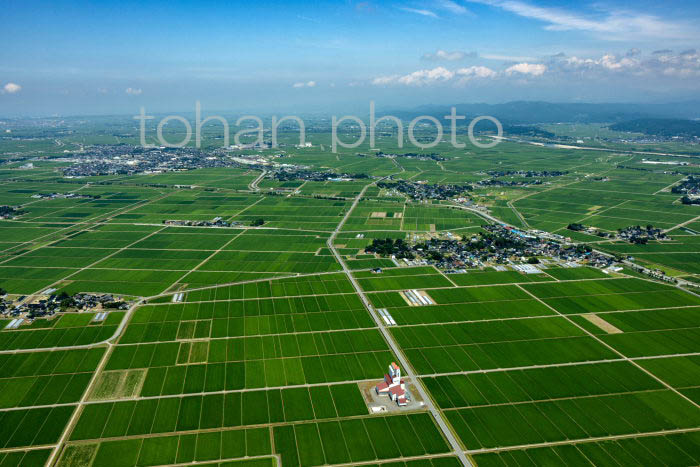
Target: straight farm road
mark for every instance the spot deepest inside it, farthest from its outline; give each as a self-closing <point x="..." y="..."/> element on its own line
<point x="447" y="432"/>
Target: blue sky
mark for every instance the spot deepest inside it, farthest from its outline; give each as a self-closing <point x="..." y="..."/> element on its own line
<point x="112" y="57"/>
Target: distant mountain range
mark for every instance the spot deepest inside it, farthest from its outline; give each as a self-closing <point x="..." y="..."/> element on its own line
<point x="666" y="127"/>
<point x="531" y="112"/>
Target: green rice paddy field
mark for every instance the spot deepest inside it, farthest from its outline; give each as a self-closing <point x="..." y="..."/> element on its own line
<point x="259" y="346"/>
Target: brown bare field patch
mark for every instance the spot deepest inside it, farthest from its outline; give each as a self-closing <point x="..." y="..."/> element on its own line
<point x="378" y="214"/>
<point x="602" y="324"/>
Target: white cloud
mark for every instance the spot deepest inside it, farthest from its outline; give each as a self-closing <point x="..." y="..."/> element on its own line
<point x="609" y="24"/>
<point x="426" y="77"/>
<point x="467" y="75"/>
<point x="476" y="72"/>
<point x="134" y="91"/>
<point x="611" y="62"/>
<point x="383" y="80"/>
<point x="608" y="62"/>
<point x="452" y="7"/>
<point x="419" y="11"/>
<point x="534" y="69"/>
<point x="507" y="58"/>
<point x="685" y="64"/>
<point x="578" y="63"/>
<point x="448" y="56"/>
<point x="436" y="76"/>
<point x="417" y="78"/>
<point x="11" y="88"/>
<point x="304" y="84"/>
<point x="632" y="66"/>
<point x="659" y="63"/>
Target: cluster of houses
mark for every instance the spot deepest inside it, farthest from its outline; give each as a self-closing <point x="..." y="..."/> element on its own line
<point x="288" y="173"/>
<point x="423" y="191"/>
<point x="498" y="245"/>
<point x="64" y="196"/>
<point x="527" y="173"/>
<point x="489" y="182"/>
<point x="24" y="309"/>
<point x="257" y="145"/>
<point x="633" y="234"/>
<point x="4" y="303"/>
<point x="41" y="308"/>
<point x="86" y="301"/>
<point x="216" y="222"/>
<point x="9" y="212"/>
<point x="690" y="189"/>
<point x="126" y="159"/>
<point x="412" y="155"/>
<point x="641" y="235"/>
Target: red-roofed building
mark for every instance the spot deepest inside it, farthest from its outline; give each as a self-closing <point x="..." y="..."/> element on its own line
<point x="393" y="386"/>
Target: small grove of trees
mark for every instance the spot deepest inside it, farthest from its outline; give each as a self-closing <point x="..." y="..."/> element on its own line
<point x="388" y="247"/>
<point x="258" y="222"/>
<point x="65" y="300"/>
<point x="436" y="256"/>
<point x="576" y="227"/>
<point x="582" y="248"/>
